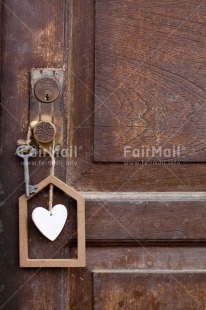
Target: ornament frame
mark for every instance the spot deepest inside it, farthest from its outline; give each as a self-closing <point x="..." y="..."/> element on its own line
<point x="25" y="261"/>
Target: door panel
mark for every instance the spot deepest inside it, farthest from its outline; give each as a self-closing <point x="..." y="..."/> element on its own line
<point x="147" y="291"/>
<point x="145" y="223"/>
<point x="133" y="278"/>
<point x="149" y="80"/>
<point x="109" y="175"/>
<point x="142" y="217"/>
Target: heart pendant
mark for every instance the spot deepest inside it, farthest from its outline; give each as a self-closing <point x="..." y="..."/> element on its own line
<point x="50" y="225"/>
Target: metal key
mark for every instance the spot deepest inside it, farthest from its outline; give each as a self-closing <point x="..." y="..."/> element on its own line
<point x="25" y="152"/>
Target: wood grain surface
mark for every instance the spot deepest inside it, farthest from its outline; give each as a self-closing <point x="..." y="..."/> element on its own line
<point x="100" y="43"/>
<point x="140" y="220"/>
<point x="88" y="175"/>
<point x="148" y="291"/>
<point x="140" y="278"/>
<point x="149" y="79"/>
<point x="34" y="35"/>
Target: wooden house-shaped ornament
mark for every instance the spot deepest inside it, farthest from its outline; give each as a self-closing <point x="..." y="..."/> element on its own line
<point x="25" y="261"/>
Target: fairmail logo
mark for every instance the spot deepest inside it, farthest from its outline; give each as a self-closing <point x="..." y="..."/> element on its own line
<point x="153" y="152"/>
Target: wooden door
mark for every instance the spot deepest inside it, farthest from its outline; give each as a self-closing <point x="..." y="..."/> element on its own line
<point x="135" y="111"/>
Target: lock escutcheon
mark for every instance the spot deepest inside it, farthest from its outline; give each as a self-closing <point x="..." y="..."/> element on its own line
<point x="46" y="100"/>
<point x="47" y="90"/>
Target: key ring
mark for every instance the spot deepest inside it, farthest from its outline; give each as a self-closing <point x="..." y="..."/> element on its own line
<point x="23" y="148"/>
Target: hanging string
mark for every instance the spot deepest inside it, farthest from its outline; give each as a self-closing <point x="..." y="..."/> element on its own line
<point x="28" y="139"/>
<point x="52" y="170"/>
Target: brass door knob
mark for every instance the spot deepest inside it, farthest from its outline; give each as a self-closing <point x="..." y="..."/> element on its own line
<point x="44" y="132"/>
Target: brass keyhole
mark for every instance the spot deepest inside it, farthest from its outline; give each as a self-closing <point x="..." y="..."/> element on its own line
<point x="47" y="90"/>
<point x="47" y="95"/>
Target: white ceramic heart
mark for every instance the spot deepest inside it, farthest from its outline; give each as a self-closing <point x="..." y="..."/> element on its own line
<point x="50" y="225"/>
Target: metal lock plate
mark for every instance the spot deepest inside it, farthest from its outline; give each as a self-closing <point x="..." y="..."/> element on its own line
<point x="46" y="103"/>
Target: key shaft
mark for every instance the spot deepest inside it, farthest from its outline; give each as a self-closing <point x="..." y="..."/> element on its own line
<point x="26" y="175"/>
<point x="25" y="152"/>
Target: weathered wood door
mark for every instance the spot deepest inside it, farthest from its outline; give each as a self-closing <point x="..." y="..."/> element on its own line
<point x="136" y="112"/>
